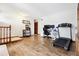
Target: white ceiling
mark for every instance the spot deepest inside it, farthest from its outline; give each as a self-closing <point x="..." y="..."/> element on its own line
<point x="34" y="9"/>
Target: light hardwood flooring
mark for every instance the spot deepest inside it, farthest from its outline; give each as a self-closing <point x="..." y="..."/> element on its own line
<point x="3" y="49"/>
<point x="37" y="46"/>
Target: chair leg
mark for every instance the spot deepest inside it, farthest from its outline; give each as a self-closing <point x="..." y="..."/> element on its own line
<point x="53" y="44"/>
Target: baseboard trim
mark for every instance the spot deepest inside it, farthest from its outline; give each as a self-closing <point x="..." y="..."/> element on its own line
<point x="14" y="36"/>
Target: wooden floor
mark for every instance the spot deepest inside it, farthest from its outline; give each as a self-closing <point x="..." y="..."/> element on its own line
<point x="37" y="46"/>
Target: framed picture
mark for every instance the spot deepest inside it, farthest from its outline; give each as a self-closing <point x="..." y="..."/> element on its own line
<point x="26" y="22"/>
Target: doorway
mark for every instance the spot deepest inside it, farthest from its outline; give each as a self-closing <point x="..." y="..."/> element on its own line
<point x="35" y="26"/>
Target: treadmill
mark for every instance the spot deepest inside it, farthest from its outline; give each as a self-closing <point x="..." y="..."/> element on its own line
<point x="65" y="40"/>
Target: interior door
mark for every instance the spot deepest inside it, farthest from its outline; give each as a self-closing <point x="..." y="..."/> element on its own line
<point x="77" y="36"/>
<point x="78" y="17"/>
<point x="35" y="26"/>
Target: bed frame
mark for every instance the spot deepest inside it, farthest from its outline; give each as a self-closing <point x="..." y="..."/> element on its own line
<point x="5" y="34"/>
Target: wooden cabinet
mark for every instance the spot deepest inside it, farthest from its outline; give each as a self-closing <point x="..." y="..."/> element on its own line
<point x="77" y="44"/>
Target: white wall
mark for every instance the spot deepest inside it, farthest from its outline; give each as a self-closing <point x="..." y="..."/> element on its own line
<point x="16" y="24"/>
<point x="68" y="15"/>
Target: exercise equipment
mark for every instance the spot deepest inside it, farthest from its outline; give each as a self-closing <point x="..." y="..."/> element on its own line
<point x="64" y="39"/>
<point x="27" y="30"/>
<point x="47" y="29"/>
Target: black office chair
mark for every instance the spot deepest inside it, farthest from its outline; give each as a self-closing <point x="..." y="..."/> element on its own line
<point x="46" y="31"/>
<point x="64" y="42"/>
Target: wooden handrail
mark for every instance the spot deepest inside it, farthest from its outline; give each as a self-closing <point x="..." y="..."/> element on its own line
<point x="5" y="34"/>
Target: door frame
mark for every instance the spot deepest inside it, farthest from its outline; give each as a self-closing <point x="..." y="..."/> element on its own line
<point x="35" y="26"/>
